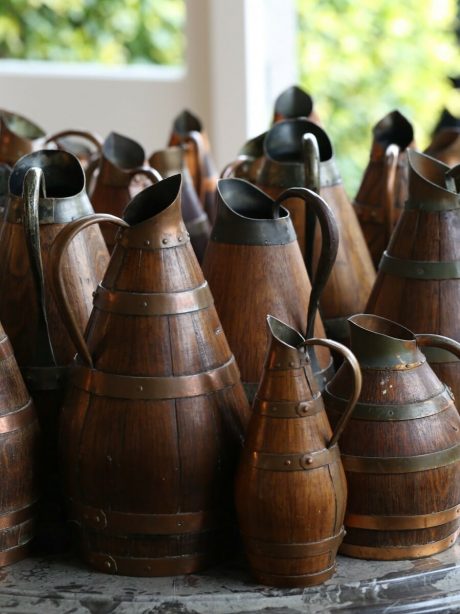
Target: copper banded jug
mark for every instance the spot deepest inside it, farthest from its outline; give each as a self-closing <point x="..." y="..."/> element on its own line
<point x="401" y="447"/>
<point x="445" y="146"/>
<point x="169" y="162"/>
<point x="112" y="177"/>
<point x="383" y="190"/>
<point x="19" y="456"/>
<point x="299" y="153"/>
<point x="418" y="282"/>
<point x="155" y="413"/>
<point x="254" y="267"/>
<point x="294" y="102"/>
<point x="188" y="130"/>
<point x="18" y="137"/>
<point x="290" y="488"/>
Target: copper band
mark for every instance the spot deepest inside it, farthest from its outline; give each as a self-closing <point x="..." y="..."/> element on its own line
<point x="329" y="174"/>
<point x="153" y="388"/>
<point x="51" y="210"/>
<point x="401" y="464"/>
<point x="419" y="269"/>
<point x="17" y="420"/>
<point x="6" y="349"/>
<point x="19" y="516"/>
<point x="401" y="523"/>
<point x="295" y="462"/>
<point x="393" y="553"/>
<point x="293" y="551"/>
<point x="145" y="238"/>
<point x="154" y="524"/>
<point x="165" y="566"/>
<point x="392" y="412"/>
<point x="310" y="579"/>
<point x="288" y="409"/>
<point x="13" y="555"/>
<point x="153" y="304"/>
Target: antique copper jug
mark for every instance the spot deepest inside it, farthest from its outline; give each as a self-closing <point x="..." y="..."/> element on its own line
<point x="153" y="422"/>
<point x="401" y="448"/>
<point x="19" y="441"/>
<point x="169" y="162"/>
<point x="254" y="266"/>
<point x="445" y="146"/>
<point x="188" y="130"/>
<point x="418" y="283"/>
<point x="383" y="190"/>
<point x="290" y="489"/>
<point x="299" y="153"/>
<point x="18" y="136"/>
<point x="294" y="102"/>
<point x="121" y="162"/>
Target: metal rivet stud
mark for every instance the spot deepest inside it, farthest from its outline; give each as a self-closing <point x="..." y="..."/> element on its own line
<point x="141" y="388"/>
<point x="288" y="462"/>
<point x="147" y="242"/>
<point x="145" y="304"/>
<point x="180" y="238"/>
<point x="107" y="564"/>
<point x="164" y="241"/>
<point x="420" y="271"/>
<point x="309" y="460"/>
<point x="292" y="364"/>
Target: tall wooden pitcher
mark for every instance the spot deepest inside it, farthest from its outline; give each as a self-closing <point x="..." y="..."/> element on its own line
<point x="418" y="283"/>
<point x="299" y="153"/>
<point x="290" y="488"/>
<point x="401" y="447"/>
<point x="383" y="190"/>
<point x="254" y="267"/>
<point x="154" y="418"/>
<point x="122" y="161"/>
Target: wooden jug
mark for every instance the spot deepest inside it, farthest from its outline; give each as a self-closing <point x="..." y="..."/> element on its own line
<point x="18" y="137"/>
<point x="19" y="441"/>
<point x="294" y="102"/>
<point x="383" y="190"/>
<point x="169" y="162"/>
<point x="418" y="283"/>
<point x="254" y="267"/>
<point x="290" y="488"/>
<point x="154" y="418"/>
<point x="188" y="130"/>
<point x="299" y="153"/>
<point x="401" y="448"/>
<point x="121" y="162"/>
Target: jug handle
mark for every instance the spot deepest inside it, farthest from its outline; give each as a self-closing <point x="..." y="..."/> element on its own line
<point x="329" y="246"/>
<point x="34" y="182"/>
<point x="58" y="249"/>
<point x="92" y="137"/>
<point x="148" y="171"/>
<point x="232" y="167"/>
<point x="439" y="341"/>
<point x="311" y="160"/>
<point x="194" y="137"/>
<point x="389" y="182"/>
<point x="357" y="383"/>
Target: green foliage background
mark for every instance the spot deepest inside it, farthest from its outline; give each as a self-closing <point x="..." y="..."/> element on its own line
<point x="360" y="60"/>
<point x="107" y="31"/>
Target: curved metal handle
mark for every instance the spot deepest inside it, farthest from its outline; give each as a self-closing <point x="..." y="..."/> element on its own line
<point x="311" y="160"/>
<point x="34" y="182"/>
<point x="195" y="138"/>
<point x="357" y="383"/>
<point x="329" y="246"/>
<point x="453" y="178"/>
<point x="232" y="167"/>
<point x="58" y="249"/>
<point x="92" y="137"/>
<point x="389" y="186"/>
<point x="147" y="171"/>
<point x="439" y="341"/>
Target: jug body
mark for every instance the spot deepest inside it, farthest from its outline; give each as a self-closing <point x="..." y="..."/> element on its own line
<point x="18" y="137"/>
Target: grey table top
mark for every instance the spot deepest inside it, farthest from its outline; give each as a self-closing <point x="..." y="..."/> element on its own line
<point x="63" y="585"/>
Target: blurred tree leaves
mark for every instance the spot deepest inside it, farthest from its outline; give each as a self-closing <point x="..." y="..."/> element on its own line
<point x="107" y="31"/>
<point x="360" y="60"/>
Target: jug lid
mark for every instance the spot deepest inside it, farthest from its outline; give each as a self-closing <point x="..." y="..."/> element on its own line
<point x="394" y="127"/>
<point x="430" y="187"/>
<point x="293" y="102"/>
<point x="248" y="216"/>
<point x="379" y="343"/>
<point x="122" y="151"/>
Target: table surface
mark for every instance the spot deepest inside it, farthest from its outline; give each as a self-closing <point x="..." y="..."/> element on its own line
<point x="63" y="585"/>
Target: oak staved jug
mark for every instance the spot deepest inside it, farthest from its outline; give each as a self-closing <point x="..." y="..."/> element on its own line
<point x="153" y="423"/>
<point x="418" y="282"/>
<point x="290" y="489"/>
<point x="383" y="190"/>
<point x="401" y="447"/>
<point x="254" y="266"/>
<point x="18" y="137"/>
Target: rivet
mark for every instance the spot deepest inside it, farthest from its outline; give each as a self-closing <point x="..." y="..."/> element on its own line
<point x="309" y="460"/>
<point x="274" y="409"/>
<point x="288" y="462"/>
<point x="420" y="271"/>
<point x="266" y="242"/>
<point x="94" y="294"/>
<point x="180" y="523"/>
<point x="188" y="234"/>
<point x="108" y="564"/>
<point x="164" y="241"/>
<point x="304" y="409"/>
<point x="455" y="428"/>
<point x="145" y="304"/>
<point x="146" y="242"/>
<point x="292" y="363"/>
<point x="97" y="518"/>
<point x="390" y="413"/>
<point x="179" y="238"/>
<point x="278" y="365"/>
<point x="141" y="388"/>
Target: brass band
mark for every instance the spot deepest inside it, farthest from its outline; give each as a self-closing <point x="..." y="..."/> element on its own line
<point x="289" y="409"/>
<point x="309" y="579"/>
<point x="153" y="304"/>
<point x="403" y="522"/>
<point x="419" y="269"/>
<point x="154" y="524"/>
<point x="164" y="566"/>
<point x="390" y="553"/>
<point x="392" y="412"/>
<point x="295" y="462"/>
<point x="17" y="420"/>
<point x="155" y="388"/>
<point x="277" y="550"/>
<point x="51" y="210"/>
<point x="149" y="238"/>
<point x="17" y="517"/>
<point x="401" y="464"/>
<point x="329" y="173"/>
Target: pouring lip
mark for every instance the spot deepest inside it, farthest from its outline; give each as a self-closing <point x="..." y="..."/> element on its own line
<point x="326" y="149"/>
<point x="134" y="211"/>
<point x="416" y="157"/>
<point x="133" y="157"/>
<point x="359" y="319"/>
<point x="36" y="132"/>
<point x="277" y="326"/>
<point x="292" y="96"/>
<point x="246" y="185"/>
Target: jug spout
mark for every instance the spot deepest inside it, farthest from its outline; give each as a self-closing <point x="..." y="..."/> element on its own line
<point x="293" y="102"/>
<point x="429" y="185"/>
<point x="123" y="152"/>
<point x="287" y="349"/>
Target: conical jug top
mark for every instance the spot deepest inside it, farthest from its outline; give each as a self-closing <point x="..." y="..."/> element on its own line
<point x="432" y="184"/>
<point x="393" y="128"/>
<point x="122" y="151"/>
<point x="293" y="102"/>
